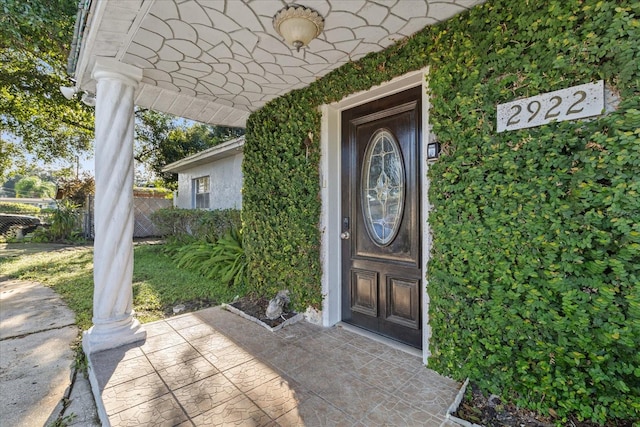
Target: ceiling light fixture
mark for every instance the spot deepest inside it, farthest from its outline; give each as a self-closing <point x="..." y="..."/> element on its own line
<point x="68" y="91"/>
<point x="298" y="24"/>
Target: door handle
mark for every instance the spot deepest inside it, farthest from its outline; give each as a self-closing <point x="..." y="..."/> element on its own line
<point x="345" y="235"/>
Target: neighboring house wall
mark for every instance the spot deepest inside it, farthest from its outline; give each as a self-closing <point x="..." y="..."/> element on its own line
<point x="225" y="183"/>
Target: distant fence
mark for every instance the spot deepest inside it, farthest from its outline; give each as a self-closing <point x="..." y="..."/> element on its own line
<point x="143" y="207"/>
<point x="25" y="222"/>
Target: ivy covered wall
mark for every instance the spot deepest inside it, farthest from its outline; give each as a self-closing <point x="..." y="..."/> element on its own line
<point x="534" y="277"/>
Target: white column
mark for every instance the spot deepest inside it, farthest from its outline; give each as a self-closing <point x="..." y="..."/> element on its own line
<point x="113" y="321"/>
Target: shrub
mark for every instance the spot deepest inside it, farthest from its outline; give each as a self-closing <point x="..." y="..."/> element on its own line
<point x="19" y="208"/>
<point x="77" y="189"/>
<point x="184" y="225"/>
<point x="64" y="225"/>
<point x="155" y="192"/>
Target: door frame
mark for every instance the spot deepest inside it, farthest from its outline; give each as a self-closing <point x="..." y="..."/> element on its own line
<point x="330" y="191"/>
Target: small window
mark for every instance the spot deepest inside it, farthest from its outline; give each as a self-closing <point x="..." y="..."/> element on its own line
<point x="201" y="193"/>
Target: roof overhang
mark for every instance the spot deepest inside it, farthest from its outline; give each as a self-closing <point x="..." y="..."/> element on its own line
<point x="221" y="151"/>
<point x="216" y="61"/>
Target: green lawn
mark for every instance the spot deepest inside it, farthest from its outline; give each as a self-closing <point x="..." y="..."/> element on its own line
<point x="158" y="285"/>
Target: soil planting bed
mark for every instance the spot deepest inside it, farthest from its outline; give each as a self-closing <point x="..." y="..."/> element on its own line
<point x="255" y="308"/>
<point x="490" y="411"/>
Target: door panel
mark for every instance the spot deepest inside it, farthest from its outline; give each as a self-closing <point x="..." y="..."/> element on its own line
<point x="364" y="292"/>
<point x="403" y="302"/>
<point x="381" y="259"/>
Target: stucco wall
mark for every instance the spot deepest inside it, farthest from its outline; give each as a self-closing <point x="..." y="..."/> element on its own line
<point x="225" y="180"/>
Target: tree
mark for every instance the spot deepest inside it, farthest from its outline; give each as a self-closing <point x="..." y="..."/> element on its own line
<point x="35" y="118"/>
<point x="54" y="175"/>
<point x="76" y="189"/>
<point x="160" y="140"/>
<point x="33" y="186"/>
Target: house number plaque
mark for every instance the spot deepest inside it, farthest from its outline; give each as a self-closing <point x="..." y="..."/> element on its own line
<point x="573" y="103"/>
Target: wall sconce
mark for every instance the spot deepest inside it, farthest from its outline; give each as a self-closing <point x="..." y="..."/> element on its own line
<point x="298" y="24"/>
<point x="88" y="99"/>
<point x="68" y="91"/>
<point x="433" y="150"/>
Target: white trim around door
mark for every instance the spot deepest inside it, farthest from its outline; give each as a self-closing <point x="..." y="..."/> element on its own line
<point x="330" y="190"/>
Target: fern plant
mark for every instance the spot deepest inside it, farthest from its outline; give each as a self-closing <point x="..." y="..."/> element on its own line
<point x="228" y="261"/>
<point x="192" y="255"/>
<point x="224" y="260"/>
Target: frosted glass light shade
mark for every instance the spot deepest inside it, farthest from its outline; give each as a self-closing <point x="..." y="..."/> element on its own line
<point x="298" y="25"/>
<point x="68" y="91"/>
<point x="89" y="99"/>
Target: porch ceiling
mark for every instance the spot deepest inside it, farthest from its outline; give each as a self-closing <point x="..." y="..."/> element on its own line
<point x="215" y="61"/>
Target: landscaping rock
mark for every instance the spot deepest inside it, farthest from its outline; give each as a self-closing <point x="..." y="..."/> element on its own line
<point x="277" y="304"/>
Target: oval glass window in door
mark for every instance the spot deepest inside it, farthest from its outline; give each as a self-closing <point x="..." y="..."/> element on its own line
<point x="383" y="187"/>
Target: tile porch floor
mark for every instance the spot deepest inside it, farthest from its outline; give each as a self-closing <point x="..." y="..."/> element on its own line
<point x="213" y="367"/>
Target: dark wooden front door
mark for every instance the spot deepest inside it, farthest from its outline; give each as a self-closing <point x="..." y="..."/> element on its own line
<point x="381" y="232"/>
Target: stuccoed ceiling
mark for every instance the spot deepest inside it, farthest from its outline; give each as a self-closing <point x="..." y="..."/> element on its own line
<point x="216" y="61"/>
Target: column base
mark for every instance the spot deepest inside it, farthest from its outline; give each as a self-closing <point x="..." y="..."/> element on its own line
<point x="111" y="334"/>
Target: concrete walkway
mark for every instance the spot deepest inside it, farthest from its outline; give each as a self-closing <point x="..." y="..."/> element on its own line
<point x="213" y="367"/>
<point x="210" y="367"/>
<point x="38" y="382"/>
